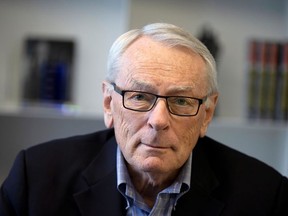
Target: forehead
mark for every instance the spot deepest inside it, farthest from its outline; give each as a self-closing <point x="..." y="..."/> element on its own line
<point x="155" y="63"/>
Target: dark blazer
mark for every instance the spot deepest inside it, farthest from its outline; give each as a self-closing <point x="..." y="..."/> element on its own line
<point x="77" y="176"/>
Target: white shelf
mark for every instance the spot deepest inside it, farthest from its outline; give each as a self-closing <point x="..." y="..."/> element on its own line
<point x="264" y="140"/>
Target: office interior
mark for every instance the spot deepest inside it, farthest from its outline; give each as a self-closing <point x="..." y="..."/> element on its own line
<point x="93" y="25"/>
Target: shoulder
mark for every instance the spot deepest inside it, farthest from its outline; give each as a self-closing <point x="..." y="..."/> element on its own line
<point x="241" y="177"/>
<point x="225" y="159"/>
<point x="58" y="160"/>
<point x="92" y="142"/>
<point x="53" y="170"/>
<point x="67" y="153"/>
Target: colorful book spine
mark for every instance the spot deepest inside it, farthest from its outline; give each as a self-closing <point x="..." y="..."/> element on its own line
<point x="272" y="81"/>
<point x="253" y="79"/>
<point x="284" y="79"/>
<point x="263" y="76"/>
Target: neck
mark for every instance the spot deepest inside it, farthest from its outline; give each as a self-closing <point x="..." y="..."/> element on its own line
<point x="148" y="185"/>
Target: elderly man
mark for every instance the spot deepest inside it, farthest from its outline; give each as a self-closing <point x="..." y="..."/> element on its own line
<point x="159" y="98"/>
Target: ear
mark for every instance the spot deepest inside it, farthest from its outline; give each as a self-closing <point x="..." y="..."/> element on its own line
<point x="107" y="99"/>
<point x="209" y="112"/>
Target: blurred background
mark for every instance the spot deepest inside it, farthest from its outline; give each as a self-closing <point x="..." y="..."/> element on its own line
<point x="53" y="60"/>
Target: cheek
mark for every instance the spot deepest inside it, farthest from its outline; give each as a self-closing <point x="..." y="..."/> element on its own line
<point x="188" y="141"/>
<point x="188" y="136"/>
<point x="120" y="120"/>
<point x="126" y="125"/>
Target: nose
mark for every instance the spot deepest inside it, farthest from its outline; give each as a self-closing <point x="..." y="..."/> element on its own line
<point x="159" y="116"/>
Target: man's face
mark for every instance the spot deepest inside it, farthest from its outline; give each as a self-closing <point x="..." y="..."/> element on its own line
<point x="158" y="141"/>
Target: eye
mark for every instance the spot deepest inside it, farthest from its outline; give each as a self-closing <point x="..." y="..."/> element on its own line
<point x="140" y="96"/>
<point x="181" y="101"/>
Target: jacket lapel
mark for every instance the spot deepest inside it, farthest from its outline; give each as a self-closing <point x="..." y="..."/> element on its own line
<point x="199" y="199"/>
<point x="99" y="194"/>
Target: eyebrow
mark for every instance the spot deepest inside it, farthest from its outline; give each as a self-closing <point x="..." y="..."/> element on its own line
<point x="180" y="88"/>
<point x="144" y="86"/>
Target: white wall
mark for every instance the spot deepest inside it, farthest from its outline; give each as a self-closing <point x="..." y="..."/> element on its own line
<point x="233" y="21"/>
<point x="94" y="24"/>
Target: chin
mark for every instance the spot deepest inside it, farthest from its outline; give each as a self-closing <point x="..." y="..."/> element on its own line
<point x="154" y="165"/>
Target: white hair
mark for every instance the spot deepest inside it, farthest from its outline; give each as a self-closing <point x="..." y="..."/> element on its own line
<point x="170" y="35"/>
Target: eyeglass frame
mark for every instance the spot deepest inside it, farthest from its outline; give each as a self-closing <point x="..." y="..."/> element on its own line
<point x="122" y="93"/>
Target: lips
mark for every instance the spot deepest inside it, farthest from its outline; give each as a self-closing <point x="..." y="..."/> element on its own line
<point x="155" y="146"/>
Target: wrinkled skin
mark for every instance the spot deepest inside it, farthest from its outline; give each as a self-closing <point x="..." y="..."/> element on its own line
<point x="156" y="144"/>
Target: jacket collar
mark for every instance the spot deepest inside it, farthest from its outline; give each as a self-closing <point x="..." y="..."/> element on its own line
<point x="199" y="200"/>
<point x="99" y="194"/>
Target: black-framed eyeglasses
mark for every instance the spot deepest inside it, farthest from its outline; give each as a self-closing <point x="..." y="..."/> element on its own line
<point x="144" y="101"/>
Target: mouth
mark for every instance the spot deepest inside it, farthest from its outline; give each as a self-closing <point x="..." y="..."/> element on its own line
<point x="152" y="146"/>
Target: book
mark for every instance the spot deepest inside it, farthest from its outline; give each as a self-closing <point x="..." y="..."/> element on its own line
<point x="253" y="76"/>
<point x="283" y="86"/>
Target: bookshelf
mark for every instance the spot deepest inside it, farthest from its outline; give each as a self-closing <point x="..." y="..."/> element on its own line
<point x="90" y="25"/>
